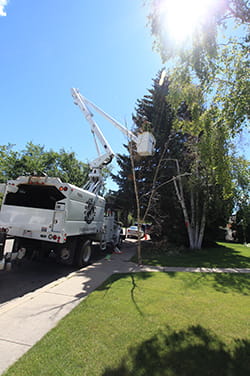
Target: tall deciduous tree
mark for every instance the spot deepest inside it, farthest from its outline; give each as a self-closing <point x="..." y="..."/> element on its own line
<point x="216" y="55"/>
<point x="241" y="174"/>
<point x="211" y="78"/>
<point x="35" y="159"/>
<point x="209" y="163"/>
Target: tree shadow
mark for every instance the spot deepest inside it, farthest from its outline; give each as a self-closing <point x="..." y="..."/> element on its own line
<point x="30" y="276"/>
<point x="229" y="282"/>
<point x="192" y="352"/>
<point x="107" y="285"/>
<point x="219" y="256"/>
<point x="226" y="256"/>
<point x="118" y="276"/>
<point x="222" y="282"/>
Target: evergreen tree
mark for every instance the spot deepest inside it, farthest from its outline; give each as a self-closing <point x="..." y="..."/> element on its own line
<point x="154" y="112"/>
<point x="192" y="162"/>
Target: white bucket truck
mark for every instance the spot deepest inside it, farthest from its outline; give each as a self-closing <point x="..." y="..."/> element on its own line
<point x="45" y="215"/>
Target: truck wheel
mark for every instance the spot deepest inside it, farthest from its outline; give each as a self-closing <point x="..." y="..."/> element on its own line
<point x="66" y="252"/>
<point x="20" y="250"/>
<point x="119" y="244"/>
<point x="83" y="254"/>
<point x="103" y="246"/>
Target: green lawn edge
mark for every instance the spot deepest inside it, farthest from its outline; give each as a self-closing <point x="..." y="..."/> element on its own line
<point x="222" y="255"/>
<point x="150" y="324"/>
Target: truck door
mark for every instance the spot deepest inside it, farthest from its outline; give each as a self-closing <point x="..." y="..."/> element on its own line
<point x="59" y="216"/>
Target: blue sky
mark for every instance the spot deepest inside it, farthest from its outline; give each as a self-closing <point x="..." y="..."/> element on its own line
<point x="101" y="47"/>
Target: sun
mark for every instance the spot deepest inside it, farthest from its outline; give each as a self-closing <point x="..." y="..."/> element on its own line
<point x="182" y="17"/>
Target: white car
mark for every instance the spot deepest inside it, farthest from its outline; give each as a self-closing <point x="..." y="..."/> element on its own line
<point x="132" y="232"/>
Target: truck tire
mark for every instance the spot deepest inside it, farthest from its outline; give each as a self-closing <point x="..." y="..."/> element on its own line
<point x="103" y="246"/>
<point x="83" y="253"/>
<point x="18" y="245"/>
<point x="66" y="252"/>
<point x="120" y="240"/>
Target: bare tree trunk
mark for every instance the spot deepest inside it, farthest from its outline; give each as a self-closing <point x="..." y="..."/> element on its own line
<point x="202" y="226"/>
<point x="197" y="219"/>
<point x="154" y="181"/>
<point x="138" y="211"/>
<point x="196" y="228"/>
<point x="180" y="196"/>
<point x="193" y="218"/>
<point x="192" y="208"/>
<point x="140" y="220"/>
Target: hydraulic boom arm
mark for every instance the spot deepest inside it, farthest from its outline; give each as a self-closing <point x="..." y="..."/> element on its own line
<point x="145" y="141"/>
<point x="106" y="158"/>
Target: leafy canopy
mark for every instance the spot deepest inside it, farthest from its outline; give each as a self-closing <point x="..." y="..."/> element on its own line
<point x="35" y="159"/>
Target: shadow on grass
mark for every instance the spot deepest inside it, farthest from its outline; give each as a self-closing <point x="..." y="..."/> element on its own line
<point x="218" y="256"/>
<point x="106" y="286"/>
<point x="222" y="282"/>
<point x="229" y="282"/>
<point x="192" y="352"/>
<point x="228" y="257"/>
<point x="118" y="276"/>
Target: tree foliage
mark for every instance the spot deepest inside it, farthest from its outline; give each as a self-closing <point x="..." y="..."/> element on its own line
<point x="35" y="159"/>
<point x="210" y="80"/>
<point x="154" y="173"/>
<point x="241" y="174"/>
<point x="191" y="165"/>
<point x="216" y="57"/>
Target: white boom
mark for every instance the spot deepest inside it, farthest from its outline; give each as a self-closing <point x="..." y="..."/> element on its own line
<point x="43" y="214"/>
<point x="145" y="141"/>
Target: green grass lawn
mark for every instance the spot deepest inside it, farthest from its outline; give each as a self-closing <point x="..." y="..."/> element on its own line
<point x="152" y="324"/>
<point x="224" y="255"/>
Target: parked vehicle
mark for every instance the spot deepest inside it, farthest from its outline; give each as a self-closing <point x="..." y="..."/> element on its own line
<point x="133" y="232"/>
<point x="44" y="214"/>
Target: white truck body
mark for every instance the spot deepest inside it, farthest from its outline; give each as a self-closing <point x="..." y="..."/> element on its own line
<point x="34" y="212"/>
<point x="43" y="212"/>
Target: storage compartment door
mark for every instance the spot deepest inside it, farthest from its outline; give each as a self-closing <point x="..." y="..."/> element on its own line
<point x="59" y="217"/>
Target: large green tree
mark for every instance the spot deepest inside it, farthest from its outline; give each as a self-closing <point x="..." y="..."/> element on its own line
<point x="241" y="174"/>
<point x="216" y="55"/>
<point x="36" y="159"/>
<point x="154" y="174"/>
<point x="189" y="175"/>
<point x="210" y="77"/>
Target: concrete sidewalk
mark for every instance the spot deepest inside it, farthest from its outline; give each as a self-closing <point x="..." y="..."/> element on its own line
<point x="25" y="320"/>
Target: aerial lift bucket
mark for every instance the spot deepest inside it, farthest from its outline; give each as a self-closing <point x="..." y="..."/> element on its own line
<point x="145" y="144"/>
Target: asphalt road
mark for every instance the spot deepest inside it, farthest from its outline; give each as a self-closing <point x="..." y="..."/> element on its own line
<point x="32" y="275"/>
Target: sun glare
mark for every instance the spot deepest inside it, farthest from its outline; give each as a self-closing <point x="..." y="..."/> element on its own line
<point x="181" y="17"/>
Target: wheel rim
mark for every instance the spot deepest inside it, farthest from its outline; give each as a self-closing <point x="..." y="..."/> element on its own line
<point x="86" y="254"/>
<point x="103" y="245"/>
<point x="65" y="254"/>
